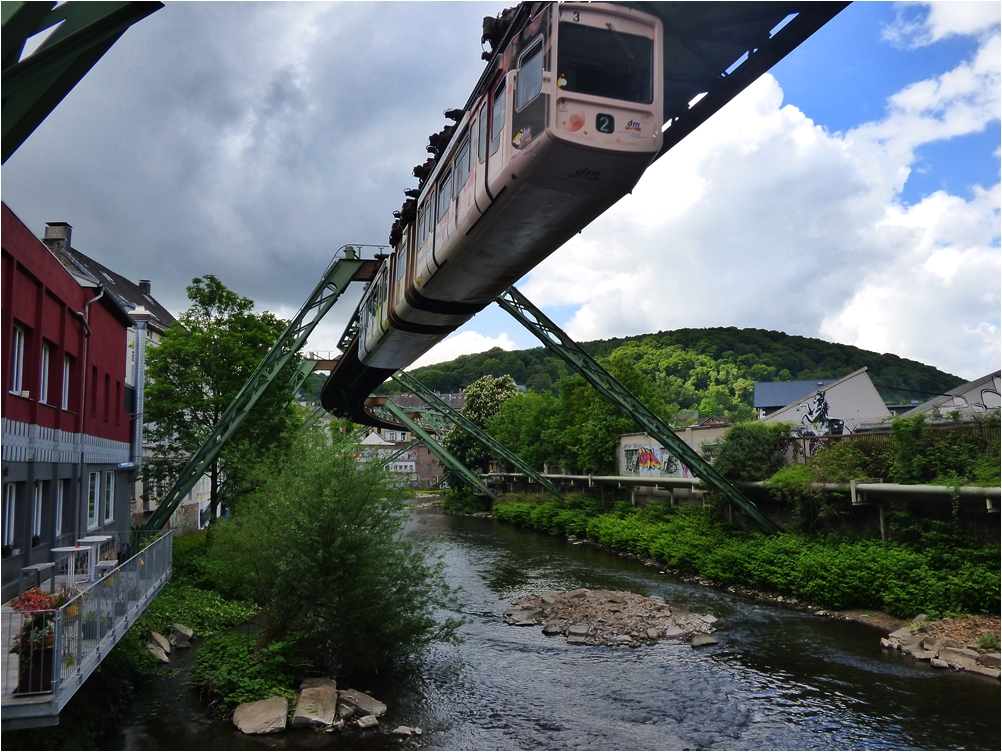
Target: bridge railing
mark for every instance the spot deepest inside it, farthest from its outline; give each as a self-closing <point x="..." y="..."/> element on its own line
<point x="48" y="654"/>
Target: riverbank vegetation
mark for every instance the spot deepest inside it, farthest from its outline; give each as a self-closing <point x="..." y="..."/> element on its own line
<point x="925" y="567"/>
<point x="318" y="549"/>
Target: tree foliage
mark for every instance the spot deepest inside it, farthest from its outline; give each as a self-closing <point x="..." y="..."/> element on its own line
<point x="318" y="547"/>
<point x="196" y="371"/>
<point x="484" y="399"/>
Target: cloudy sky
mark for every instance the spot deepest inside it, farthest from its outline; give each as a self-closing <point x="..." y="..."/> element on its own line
<point x="852" y="194"/>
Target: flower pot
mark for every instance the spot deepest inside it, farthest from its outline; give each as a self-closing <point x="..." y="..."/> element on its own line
<point x="34" y="669"/>
<point x="72" y="611"/>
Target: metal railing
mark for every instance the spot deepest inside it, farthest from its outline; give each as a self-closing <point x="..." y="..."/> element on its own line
<point x="48" y="654"/>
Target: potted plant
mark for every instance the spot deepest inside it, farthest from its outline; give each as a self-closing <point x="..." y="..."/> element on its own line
<point x="92" y="628"/>
<point x="35" y="639"/>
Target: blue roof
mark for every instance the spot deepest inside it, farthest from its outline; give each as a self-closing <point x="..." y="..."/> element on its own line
<point x="783" y="393"/>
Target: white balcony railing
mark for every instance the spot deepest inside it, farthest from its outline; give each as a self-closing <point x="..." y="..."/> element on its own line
<point x="48" y="655"/>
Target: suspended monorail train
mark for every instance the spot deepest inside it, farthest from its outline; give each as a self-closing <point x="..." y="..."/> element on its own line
<point x="561" y="125"/>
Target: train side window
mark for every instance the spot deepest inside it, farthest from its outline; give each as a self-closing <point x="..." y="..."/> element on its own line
<point x="497" y="115"/>
<point x="444" y="194"/>
<point x="421" y="223"/>
<point x="530" y="76"/>
<point x="482" y="141"/>
<point x="401" y="261"/>
<point x="462" y="165"/>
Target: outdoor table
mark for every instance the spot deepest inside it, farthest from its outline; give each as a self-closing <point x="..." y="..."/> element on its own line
<point x="70" y="552"/>
<point x="94" y="542"/>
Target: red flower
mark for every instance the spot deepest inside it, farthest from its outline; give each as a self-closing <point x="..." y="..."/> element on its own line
<point x="34" y="599"/>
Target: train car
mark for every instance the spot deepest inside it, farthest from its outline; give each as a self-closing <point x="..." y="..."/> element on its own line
<point x="561" y="125"/>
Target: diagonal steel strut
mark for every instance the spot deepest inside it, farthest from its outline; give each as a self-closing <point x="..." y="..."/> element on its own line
<point x="571" y="353"/>
<point x="443" y="454"/>
<point x="464" y="423"/>
<point x="339" y="275"/>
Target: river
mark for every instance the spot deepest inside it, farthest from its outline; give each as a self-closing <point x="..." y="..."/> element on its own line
<point x="778" y="679"/>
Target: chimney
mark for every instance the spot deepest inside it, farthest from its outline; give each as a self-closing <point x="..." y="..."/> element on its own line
<point x="56" y="232"/>
<point x="144" y="286"/>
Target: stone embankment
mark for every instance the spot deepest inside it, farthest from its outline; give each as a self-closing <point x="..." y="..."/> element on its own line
<point x="610" y="617"/>
<point x="920" y="643"/>
<point x="319" y="705"/>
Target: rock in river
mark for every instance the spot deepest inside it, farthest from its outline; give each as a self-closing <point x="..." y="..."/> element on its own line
<point x="604" y="617"/>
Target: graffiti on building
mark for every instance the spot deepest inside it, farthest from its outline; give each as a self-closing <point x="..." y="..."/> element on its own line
<point x="644" y="459"/>
<point x="976" y="402"/>
<point x="816" y="421"/>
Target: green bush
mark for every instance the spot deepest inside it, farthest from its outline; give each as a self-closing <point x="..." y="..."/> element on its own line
<point x="752" y="451"/>
<point x="203" y="611"/>
<point x="233" y="669"/>
<point x="319" y="550"/>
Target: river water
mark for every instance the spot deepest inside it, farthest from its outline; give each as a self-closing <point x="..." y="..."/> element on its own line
<point x="778" y="679"/>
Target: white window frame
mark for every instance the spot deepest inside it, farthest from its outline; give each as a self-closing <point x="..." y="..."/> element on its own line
<point x="36" y="510"/>
<point x="9" y="508"/>
<point x="60" y="499"/>
<point x="17" y="361"/>
<point x="67" y="373"/>
<point x="93" y="492"/>
<point x="43" y="375"/>
<point x="109" y="496"/>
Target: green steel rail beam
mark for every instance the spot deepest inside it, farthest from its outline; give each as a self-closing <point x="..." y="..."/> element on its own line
<point x="571" y="353"/>
<point x="338" y="276"/>
<point x="311" y="421"/>
<point x="443" y="454"/>
<point x="464" y="423"/>
<point x="34" y="87"/>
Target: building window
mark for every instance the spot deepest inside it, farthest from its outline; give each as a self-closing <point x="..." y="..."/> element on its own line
<point x="60" y="497"/>
<point x="17" y="361"/>
<point x="118" y="402"/>
<point x="391" y="435"/>
<point x="93" y="488"/>
<point x="107" y="394"/>
<point x="43" y="375"/>
<point x="9" y="506"/>
<point x="36" y="514"/>
<point x="109" y="497"/>
<point x="67" y="373"/>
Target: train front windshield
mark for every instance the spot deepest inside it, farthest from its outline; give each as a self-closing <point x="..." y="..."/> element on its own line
<point x="605" y="63"/>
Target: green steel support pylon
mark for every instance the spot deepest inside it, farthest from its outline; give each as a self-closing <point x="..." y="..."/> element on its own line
<point x="311" y="421"/>
<point x="571" y="353"/>
<point x="302" y="373"/>
<point x="34" y="86"/>
<point x="338" y="276"/>
<point x="462" y="422"/>
<point x="443" y="454"/>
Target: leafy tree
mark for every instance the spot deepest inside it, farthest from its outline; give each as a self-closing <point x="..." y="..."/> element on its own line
<point x="196" y="371"/>
<point x="319" y="549"/>
<point x="484" y="398"/>
<point x="752" y="451"/>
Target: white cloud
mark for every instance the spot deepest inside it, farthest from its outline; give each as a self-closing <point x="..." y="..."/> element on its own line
<point x="462" y="343"/>
<point x="762" y="218"/>
<point x="921" y="24"/>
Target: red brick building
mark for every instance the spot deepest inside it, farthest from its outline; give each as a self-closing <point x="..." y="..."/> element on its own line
<point x="66" y="431"/>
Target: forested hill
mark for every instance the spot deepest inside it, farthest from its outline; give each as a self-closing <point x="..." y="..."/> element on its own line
<point x="713" y="370"/>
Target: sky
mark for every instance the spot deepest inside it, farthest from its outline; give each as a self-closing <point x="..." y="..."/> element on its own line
<point x="850" y="194"/>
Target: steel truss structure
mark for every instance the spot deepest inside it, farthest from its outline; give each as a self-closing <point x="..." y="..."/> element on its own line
<point x="571" y="353"/>
<point x="342" y="271"/>
<point x="467" y="426"/>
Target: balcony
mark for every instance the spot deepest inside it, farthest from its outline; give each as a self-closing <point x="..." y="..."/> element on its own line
<point x="48" y="654"/>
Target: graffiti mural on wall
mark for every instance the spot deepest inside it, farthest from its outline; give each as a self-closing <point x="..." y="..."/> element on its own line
<point x="976" y="402"/>
<point x="816" y="421"/>
<point x="643" y="459"/>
